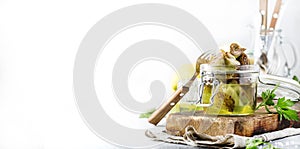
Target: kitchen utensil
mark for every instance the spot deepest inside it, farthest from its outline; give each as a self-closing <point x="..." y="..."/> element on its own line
<point x="275" y="15"/>
<point x="171" y="102"/>
<point x="271" y="29"/>
<point x="267" y="36"/>
<point x="263" y="9"/>
<point x="272" y="69"/>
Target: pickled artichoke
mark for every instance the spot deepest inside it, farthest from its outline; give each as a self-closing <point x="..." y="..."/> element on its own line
<point x="235" y="95"/>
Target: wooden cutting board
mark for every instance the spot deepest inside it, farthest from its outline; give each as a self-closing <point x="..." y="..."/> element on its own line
<point x="220" y="125"/>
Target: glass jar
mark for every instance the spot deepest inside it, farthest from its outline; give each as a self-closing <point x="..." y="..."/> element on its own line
<point x="228" y="90"/>
<point x="283" y="56"/>
<point x="276" y="53"/>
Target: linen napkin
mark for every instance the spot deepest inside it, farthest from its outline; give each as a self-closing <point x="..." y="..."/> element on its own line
<point x="193" y="138"/>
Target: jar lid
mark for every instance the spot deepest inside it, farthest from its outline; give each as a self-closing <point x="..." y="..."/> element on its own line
<point x="230" y="68"/>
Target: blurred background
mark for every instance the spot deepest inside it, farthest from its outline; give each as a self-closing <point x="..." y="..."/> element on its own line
<point x="38" y="44"/>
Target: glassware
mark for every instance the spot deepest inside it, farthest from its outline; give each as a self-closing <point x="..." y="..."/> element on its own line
<point x="228" y="90"/>
<point x="286" y="87"/>
<point x="280" y="53"/>
<point x="283" y="48"/>
<point x="189" y="101"/>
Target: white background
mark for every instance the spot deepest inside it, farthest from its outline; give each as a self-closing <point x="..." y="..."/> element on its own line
<point x="38" y="44"/>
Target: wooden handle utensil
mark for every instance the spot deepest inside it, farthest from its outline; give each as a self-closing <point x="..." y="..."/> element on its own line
<point x="168" y="105"/>
<point x="263" y="9"/>
<point x="275" y="15"/>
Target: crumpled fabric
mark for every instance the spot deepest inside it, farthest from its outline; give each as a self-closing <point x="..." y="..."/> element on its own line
<point x="193" y="138"/>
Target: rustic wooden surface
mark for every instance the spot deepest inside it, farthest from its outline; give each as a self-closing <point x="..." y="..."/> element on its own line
<point x="258" y="123"/>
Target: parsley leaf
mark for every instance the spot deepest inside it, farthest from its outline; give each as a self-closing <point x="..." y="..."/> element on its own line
<point x="283" y="106"/>
<point x="147" y="114"/>
<point x="296" y="79"/>
<point x="254" y="143"/>
<point x="267" y="98"/>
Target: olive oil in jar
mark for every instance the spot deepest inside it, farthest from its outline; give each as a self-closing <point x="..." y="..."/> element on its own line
<point x="228" y="90"/>
<point x="231" y="99"/>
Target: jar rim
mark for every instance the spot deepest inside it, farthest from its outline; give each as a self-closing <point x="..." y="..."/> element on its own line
<point x="230" y="68"/>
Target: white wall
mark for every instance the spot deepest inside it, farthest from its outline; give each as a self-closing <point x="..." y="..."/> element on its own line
<point x="38" y="43"/>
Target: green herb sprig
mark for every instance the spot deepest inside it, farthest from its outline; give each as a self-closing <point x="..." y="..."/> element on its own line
<point x="283" y="105"/>
<point x="254" y="143"/>
<point x="147" y="114"/>
<point x="267" y="99"/>
<point x="296" y="79"/>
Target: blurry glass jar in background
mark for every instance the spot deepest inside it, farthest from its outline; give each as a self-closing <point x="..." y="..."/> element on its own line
<point x="282" y="55"/>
